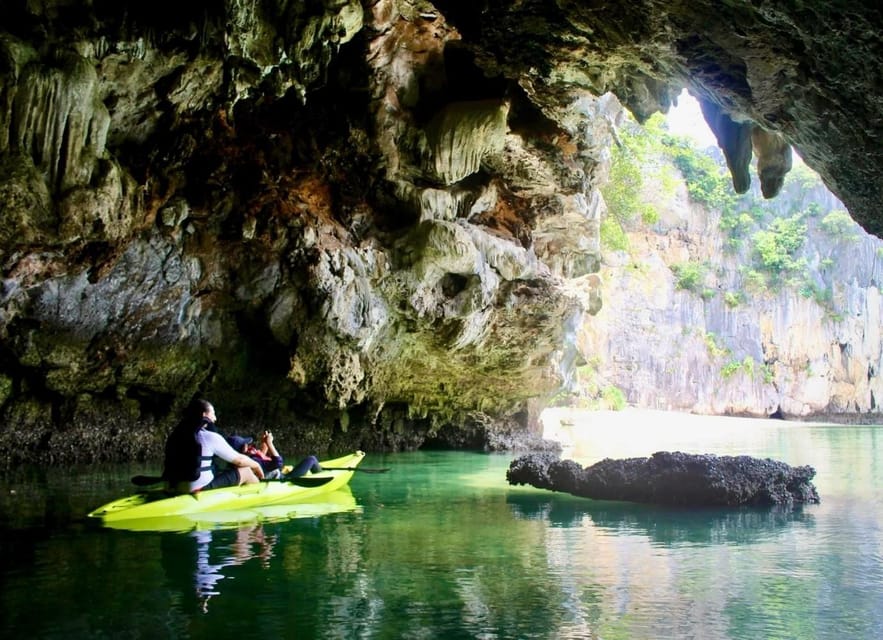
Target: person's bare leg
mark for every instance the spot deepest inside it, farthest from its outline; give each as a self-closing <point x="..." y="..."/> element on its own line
<point x="247" y="476"/>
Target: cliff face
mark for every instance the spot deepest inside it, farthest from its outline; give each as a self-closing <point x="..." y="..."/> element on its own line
<point x="802" y="342"/>
<point x="367" y="223"/>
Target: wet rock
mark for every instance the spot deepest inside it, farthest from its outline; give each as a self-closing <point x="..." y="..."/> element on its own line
<point x="672" y="478"/>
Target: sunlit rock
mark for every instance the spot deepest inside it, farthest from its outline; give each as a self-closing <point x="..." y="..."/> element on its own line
<point x="734" y="139"/>
<point x="773" y="160"/>
<point x="461" y="135"/>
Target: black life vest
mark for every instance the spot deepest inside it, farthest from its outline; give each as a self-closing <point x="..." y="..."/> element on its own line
<point x="184" y="461"/>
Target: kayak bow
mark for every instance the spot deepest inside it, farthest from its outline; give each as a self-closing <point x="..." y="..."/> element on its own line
<point x="159" y="503"/>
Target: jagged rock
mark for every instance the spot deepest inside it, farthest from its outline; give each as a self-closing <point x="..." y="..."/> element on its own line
<point x="672" y="478"/>
<point x="734" y="139"/>
<point x="382" y="210"/>
<point x="773" y="160"/>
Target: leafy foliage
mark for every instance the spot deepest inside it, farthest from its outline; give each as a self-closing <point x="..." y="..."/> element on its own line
<point x="689" y="276"/>
<point x="707" y="182"/>
<point x="634" y="159"/>
<point x="768" y="236"/>
<point x="839" y="225"/>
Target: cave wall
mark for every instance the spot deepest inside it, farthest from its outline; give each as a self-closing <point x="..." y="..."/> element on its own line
<point x="367" y="224"/>
<point x="318" y="216"/>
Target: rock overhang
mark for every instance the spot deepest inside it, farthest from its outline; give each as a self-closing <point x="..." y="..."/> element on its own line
<point x="270" y="165"/>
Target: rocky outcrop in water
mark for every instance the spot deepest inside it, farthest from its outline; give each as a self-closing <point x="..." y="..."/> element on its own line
<point x="364" y="223"/>
<point x="672" y="478"/>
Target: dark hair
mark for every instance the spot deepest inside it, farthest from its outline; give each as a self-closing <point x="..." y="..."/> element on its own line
<point x="183" y="451"/>
<point x="192" y="416"/>
<point x="200" y="406"/>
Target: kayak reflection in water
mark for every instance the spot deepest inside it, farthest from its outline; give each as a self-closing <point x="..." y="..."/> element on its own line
<point x="251" y="542"/>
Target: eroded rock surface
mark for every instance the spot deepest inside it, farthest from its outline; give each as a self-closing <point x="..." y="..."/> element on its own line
<point x="672" y="478"/>
<point x="364" y="223"/>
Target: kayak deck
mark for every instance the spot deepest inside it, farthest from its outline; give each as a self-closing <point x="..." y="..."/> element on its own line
<point x="160" y="503"/>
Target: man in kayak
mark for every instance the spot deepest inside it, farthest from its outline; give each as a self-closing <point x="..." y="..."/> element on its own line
<point x="191" y="447"/>
<point x="271" y="460"/>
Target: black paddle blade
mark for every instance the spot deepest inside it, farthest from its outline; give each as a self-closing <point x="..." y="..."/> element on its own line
<point x="362" y="469"/>
<point x="306" y="481"/>
<point x="145" y="481"/>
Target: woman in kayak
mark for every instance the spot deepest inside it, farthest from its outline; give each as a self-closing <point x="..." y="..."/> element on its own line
<point x="267" y="456"/>
<point x="191" y="447"/>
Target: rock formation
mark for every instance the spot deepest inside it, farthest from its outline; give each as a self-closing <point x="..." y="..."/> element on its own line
<point x="367" y="223"/>
<point x="672" y="478"/>
<point x="800" y="343"/>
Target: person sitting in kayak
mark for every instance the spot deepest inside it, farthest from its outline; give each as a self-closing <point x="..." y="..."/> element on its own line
<point x="271" y="460"/>
<point x="191" y="447"/>
<point x="267" y="456"/>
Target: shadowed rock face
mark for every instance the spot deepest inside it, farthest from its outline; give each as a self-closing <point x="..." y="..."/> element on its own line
<point x="804" y="72"/>
<point x="672" y="479"/>
<point x="365" y="223"/>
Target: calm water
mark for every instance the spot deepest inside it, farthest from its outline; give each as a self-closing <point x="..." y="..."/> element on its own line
<point x="442" y="547"/>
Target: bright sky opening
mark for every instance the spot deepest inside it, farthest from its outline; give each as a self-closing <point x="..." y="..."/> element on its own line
<point x="686" y="120"/>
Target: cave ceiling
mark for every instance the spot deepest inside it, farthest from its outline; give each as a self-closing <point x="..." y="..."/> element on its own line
<point x="807" y="71"/>
<point x="379" y="213"/>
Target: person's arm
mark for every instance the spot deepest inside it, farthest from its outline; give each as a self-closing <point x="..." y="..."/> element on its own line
<point x="224" y="451"/>
<point x="271" y="448"/>
<point x="242" y="460"/>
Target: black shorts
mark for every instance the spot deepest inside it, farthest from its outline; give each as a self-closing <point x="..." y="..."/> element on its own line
<point x="226" y="478"/>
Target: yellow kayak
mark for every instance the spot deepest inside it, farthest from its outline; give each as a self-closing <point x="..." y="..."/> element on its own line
<point x="158" y="503"/>
<point x="339" y="501"/>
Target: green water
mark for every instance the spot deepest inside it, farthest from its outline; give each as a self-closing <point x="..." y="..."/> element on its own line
<point x="442" y="547"/>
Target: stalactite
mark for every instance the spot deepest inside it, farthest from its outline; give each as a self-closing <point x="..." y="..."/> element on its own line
<point x="58" y="119"/>
<point x="462" y="134"/>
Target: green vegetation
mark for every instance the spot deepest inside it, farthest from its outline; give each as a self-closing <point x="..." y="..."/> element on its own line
<point x="772" y="241"/>
<point x="613" y="398"/>
<point x="638" y="156"/>
<point x="839" y="226"/>
<point x="714" y="349"/>
<point x="689" y="276"/>
<point x="613" y="236"/>
<point x="775" y="249"/>
<point x="707" y="182"/>
<point x="746" y="366"/>
<point x="734" y="298"/>
<point x="768" y="239"/>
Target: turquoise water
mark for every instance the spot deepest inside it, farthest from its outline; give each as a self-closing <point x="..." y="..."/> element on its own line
<point x="442" y="547"/>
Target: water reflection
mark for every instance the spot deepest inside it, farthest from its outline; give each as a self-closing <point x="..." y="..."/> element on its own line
<point x="210" y="553"/>
<point x="666" y="526"/>
<point x="443" y="547"/>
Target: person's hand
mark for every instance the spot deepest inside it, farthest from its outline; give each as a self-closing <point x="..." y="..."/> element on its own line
<point x="268" y="437"/>
<point x="258" y="470"/>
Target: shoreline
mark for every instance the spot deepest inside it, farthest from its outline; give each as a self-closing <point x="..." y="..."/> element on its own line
<point x="588" y="436"/>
